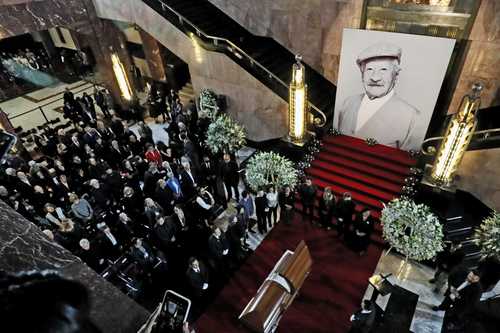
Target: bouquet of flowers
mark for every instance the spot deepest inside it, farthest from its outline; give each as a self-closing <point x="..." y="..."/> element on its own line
<point x="266" y="168"/>
<point x="225" y="135"/>
<point x="412" y="229"/>
<point x="208" y="102"/>
<point x="487" y="236"/>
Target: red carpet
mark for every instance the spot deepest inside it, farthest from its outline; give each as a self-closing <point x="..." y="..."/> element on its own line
<point x="328" y="297"/>
<point x="338" y="280"/>
<point x="372" y="174"/>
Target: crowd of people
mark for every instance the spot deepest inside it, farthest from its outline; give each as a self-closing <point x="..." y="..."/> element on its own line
<point x="355" y="227"/>
<point x="105" y="191"/>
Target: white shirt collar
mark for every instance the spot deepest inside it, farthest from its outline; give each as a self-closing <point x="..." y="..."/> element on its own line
<point x="369" y="107"/>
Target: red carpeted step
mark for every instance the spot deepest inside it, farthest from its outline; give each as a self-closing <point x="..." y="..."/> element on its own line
<point x="380" y="151"/>
<point x="362" y="167"/>
<point x="358" y="176"/>
<point x="375" y="213"/>
<point x="358" y="197"/>
<point x="376" y="235"/>
<point x="351" y="184"/>
<point x="365" y="158"/>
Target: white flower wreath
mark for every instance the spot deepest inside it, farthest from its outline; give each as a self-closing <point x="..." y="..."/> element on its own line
<point x="225" y="135"/>
<point x="487" y="236"/>
<point x="412" y="229"/>
<point x="266" y="168"/>
<point x="208" y="102"/>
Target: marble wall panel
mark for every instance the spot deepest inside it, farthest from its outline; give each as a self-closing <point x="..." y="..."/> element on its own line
<point x="482" y="62"/>
<point x="312" y="28"/>
<point x="261" y="111"/>
<point x="23" y="247"/>
<point x="479" y="174"/>
<point x="153" y="56"/>
<point x="18" y="17"/>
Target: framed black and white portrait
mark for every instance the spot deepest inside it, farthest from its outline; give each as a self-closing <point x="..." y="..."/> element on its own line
<point x="389" y="84"/>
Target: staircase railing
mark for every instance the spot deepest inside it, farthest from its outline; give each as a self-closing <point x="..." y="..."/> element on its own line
<point x="477" y="136"/>
<point x="226" y="45"/>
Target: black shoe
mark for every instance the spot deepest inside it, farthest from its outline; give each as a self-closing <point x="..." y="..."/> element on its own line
<point x="437" y="308"/>
<point x="432" y="280"/>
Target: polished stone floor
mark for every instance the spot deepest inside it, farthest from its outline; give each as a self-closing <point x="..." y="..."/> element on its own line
<point x="413" y="277"/>
<point x="48" y="98"/>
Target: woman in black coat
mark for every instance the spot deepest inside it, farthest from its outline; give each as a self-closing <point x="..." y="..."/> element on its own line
<point x="363" y="228"/>
<point x="327" y="205"/>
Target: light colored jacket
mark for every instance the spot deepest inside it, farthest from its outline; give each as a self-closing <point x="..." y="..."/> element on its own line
<point x="395" y="121"/>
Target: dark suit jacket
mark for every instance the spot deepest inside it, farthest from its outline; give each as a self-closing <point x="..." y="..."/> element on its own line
<point x="468" y="299"/>
<point x="187" y="184"/>
<point x="363" y="322"/>
<point x="217" y="246"/>
<point x="196" y="280"/>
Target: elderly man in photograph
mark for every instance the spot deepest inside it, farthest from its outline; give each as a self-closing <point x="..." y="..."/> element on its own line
<point x="379" y="113"/>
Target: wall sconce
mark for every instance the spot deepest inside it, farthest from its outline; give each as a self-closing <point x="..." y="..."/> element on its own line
<point x="121" y="77"/>
<point x="457" y="138"/>
<point x="297" y="106"/>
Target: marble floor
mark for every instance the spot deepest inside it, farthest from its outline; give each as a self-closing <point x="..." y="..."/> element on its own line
<point x="413" y="277"/>
<point x="48" y="98"/>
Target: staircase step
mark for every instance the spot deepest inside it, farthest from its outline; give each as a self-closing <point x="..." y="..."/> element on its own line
<point x="376" y="235"/>
<point x="359" y="197"/>
<point x="362" y="167"/>
<point x="358" y="176"/>
<point x="364" y="158"/>
<point x="350" y="184"/>
<point x="378" y="151"/>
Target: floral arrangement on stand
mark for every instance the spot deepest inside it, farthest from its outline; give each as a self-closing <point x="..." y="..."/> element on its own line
<point x="224" y="135"/>
<point x="312" y="147"/>
<point x="208" y="103"/>
<point x="487" y="236"/>
<point x="371" y="142"/>
<point x="266" y="168"/>
<point x="334" y="132"/>
<point x="412" y="229"/>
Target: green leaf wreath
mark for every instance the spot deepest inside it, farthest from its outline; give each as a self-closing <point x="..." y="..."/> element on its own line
<point x="412" y="229"/>
<point x="266" y="168"/>
<point x="487" y="236"/>
<point x="225" y="135"/>
<point x="208" y="102"/>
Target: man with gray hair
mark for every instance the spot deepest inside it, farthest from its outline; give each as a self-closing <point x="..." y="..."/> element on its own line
<point x="379" y="113"/>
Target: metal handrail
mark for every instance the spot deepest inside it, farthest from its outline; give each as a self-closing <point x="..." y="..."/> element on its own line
<point x="438" y="138"/>
<point x="231" y="48"/>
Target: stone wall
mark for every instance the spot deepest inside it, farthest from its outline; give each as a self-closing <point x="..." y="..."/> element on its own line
<point x="23" y="16"/>
<point x="23" y="247"/>
<point x="479" y="174"/>
<point x="250" y="102"/>
<point x="312" y="28"/>
<point x="482" y="62"/>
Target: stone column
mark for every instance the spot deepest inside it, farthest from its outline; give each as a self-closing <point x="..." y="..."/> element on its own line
<point x="24" y="247"/>
<point x="152" y="51"/>
<point x="482" y="58"/>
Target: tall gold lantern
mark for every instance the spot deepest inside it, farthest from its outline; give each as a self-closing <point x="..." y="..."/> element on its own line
<point x="457" y="138"/>
<point x="297" y="106"/>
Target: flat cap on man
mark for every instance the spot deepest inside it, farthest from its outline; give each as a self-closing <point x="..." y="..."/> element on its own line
<point x="379" y="50"/>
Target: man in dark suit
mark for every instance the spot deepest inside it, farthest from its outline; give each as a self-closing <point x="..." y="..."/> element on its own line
<point x="230" y="176"/>
<point x="345" y="212"/>
<point x="188" y="181"/>
<point x="362" y="320"/>
<point x="308" y="196"/>
<point x="197" y="276"/>
<point x="461" y="302"/>
<point x="219" y="251"/>
<point x="164" y="196"/>
<point x="209" y="174"/>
